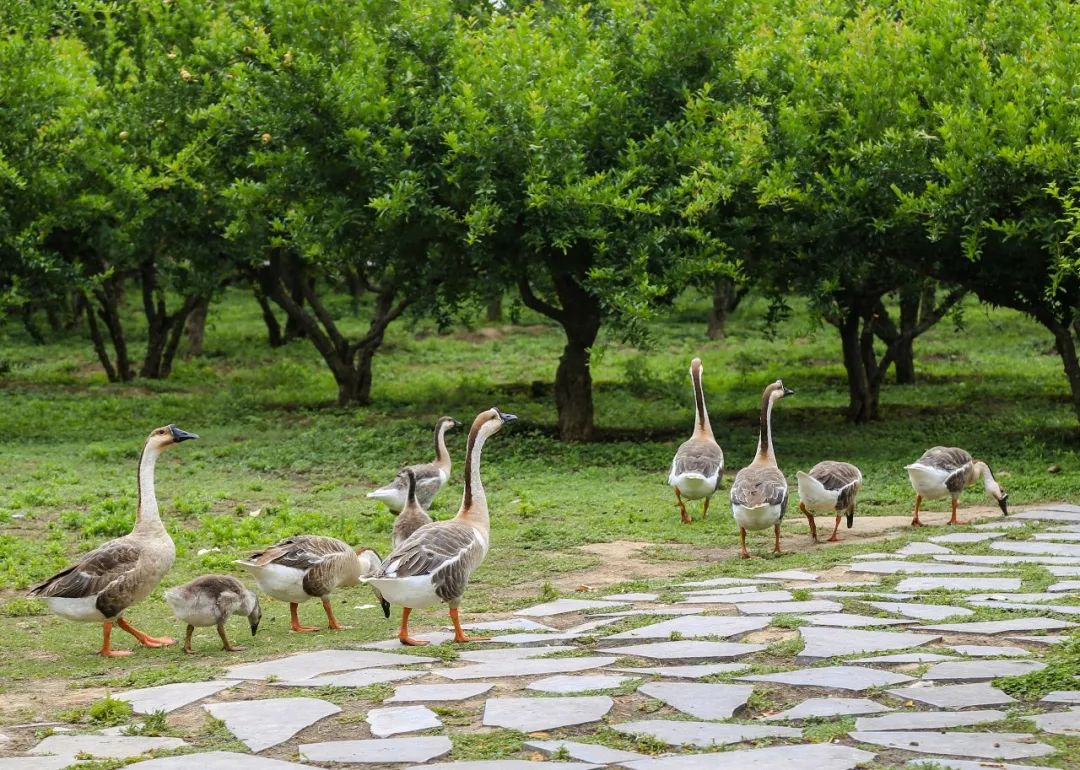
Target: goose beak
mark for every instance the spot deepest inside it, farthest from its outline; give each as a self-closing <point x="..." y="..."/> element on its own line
<point x="254" y="627"/>
<point x="455" y="423"/>
<point x="385" y="607"/>
<point x="850" y="520"/>
<point x="180" y="435"/>
<point x="788" y="391"/>
<point x="1003" y="504"/>
<point x="507" y="417"/>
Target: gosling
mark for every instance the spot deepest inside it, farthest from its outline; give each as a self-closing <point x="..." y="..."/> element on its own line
<point x="209" y="601"/>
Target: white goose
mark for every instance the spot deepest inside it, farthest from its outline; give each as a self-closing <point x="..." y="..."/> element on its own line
<point x="759" y="494"/>
<point x="121" y="572"/>
<point x="430" y="477"/>
<point x="829" y="487"/>
<point x="944" y="472"/>
<point x="698" y="466"/>
<point x="435" y="563"/>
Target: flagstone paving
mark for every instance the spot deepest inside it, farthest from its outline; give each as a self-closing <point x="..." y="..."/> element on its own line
<point x="586" y="752"/>
<point x="704" y="701"/>
<point x="260" y="724"/>
<point x="703" y="734"/>
<point x="988" y="745"/>
<point x="954" y="695"/>
<point x="829" y="707"/>
<point x="929" y="720"/>
<point x="169" y="697"/>
<point x="379" y="750"/>
<point x="530" y="715"/>
<point x="394" y="720"/>
<point x="833" y="642"/>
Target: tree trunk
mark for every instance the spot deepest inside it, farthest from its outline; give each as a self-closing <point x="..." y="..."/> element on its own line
<point x="873" y="372"/>
<point x="726" y="297"/>
<point x="108" y="296"/>
<point x="904" y="359"/>
<point x="494" y="310"/>
<point x="859" y="400"/>
<point x="273" y="328"/>
<point x="1066" y="347"/>
<point x="297" y="281"/>
<point x="99" y="343"/>
<point x="195" y="328"/>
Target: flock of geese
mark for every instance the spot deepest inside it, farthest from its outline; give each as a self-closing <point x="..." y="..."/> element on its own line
<point x="431" y="561"/>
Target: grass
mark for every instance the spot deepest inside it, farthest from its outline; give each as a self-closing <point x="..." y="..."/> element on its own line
<point x="273" y="445"/>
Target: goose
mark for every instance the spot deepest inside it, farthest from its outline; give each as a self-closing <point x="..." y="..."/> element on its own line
<point x="121" y="572"/>
<point x="412" y="516"/>
<point x="944" y="471"/>
<point x="210" y="600"/>
<point x="830" y="486"/>
<point x="435" y="563"/>
<point x="430" y="477"/>
<point x="759" y="494"/>
<point x="307" y="567"/>
<point x="698" y="466"/>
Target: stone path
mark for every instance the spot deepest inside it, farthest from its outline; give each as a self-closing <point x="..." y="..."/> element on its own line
<point x="895" y="659"/>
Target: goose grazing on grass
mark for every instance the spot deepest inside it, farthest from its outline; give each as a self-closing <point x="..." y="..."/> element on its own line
<point x="412" y="516"/>
<point x="698" y="466"/>
<point x="430" y="477"/>
<point x="829" y="487"/>
<point x="121" y="572"/>
<point x="310" y="567"/>
<point x="759" y="494"/>
<point x="211" y="600"/>
<point x="435" y="563"/>
<point x="944" y="471"/>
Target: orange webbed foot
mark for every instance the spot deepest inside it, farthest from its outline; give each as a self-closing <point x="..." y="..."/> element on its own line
<point x="408" y="641"/>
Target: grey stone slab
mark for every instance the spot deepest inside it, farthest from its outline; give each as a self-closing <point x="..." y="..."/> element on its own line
<point x="1062" y="696"/>
<point x="512" y="653"/>
<point x="501" y="764"/>
<point x="788" y="574"/>
<point x="833" y="642"/>
<point x="563" y="606"/>
<point x="696" y="626"/>
<point x="878" y="556"/>
<point x="967" y="537"/>
<point x="704" y="701"/>
<point x="75" y="746"/>
<point x="1015" y="598"/>
<point x="1065" y="537"/>
<point x="1063" y="586"/>
<point x="688" y="650"/>
<point x="589" y="626"/>
<point x="169" y="697"/>
<point x="362" y="678"/>
<point x="922" y="549"/>
<point x="1002" y="626"/>
<point x="586" y="752"/>
<point x="527" y="639"/>
<point x="928" y="720"/>
<point x="379" y="751"/>
<point x="907" y="657"/>
<point x="412" y="693"/>
<point x="917" y="568"/>
<point x="954" y="696"/>
<point x="35" y="763"/>
<point x="431" y="637"/>
<point x="850" y="620"/>
<point x="1043" y="515"/>
<point x="988" y="745"/>
<point x="1059" y="722"/>
<point x="813" y="708"/>
<point x="530" y="715"/>
<point x="775" y="608"/>
<point x="703" y="734"/>
<point x="309" y="664"/>
<point x="917" y="585"/>
<point x="394" y="720"/>
<point x="653" y="612"/>
<point x="724" y="581"/>
<point x="921" y="611"/>
<point x="819" y="756"/>
<point x="989" y="651"/>
<point x="1035" y="547"/>
<point x="1005" y="561"/>
<point x="1064" y="571"/>
<point x="948" y="763"/>
<point x="854" y="678"/>
<point x="1061" y="609"/>
<point x="1044" y="639"/>
<point x="525" y="667"/>
<point x="576" y="684"/>
<point x="260" y="724"/>
<point x="631" y="597"/>
<point x="861" y="595"/>
<point x="510" y="624"/>
<point x="686" y="672"/>
<point x="737" y="597"/>
<point x="218" y="760"/>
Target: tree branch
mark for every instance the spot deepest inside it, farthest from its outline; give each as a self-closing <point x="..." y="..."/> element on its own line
<point x="533" y="302"/>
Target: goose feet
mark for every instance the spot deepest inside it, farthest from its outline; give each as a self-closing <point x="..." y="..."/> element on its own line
<point x="145" y="639"/>
<point x="106" y="650"/>
<point x="227" y="645"/>
<point x="955" y="520"/>
<point x="295" y="621"/>
<point x="459" y="634"/>
<point x="682" y="508"/>
<point x="403" y="632"/>
<point x="743" y="553"/>
<point x="810" y="521"/>
<point x="776" y="548"/>
<point x="835" y="537"/>
<point x="332" y="623"/>
<point x="915" y="521"/>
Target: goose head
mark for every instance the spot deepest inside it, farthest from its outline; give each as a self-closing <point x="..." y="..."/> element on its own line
<point x="255" y="616"/>
<point x="167" y="436"/>
<point x="695" y="367"/>
<point x="995" y="490"/>
<point x="491" y="421"/>
<point x="445" y="423"/>
<point x="779" y="390"/>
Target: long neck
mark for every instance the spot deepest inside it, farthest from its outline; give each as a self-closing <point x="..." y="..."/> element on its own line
<point x="147" y="517"/>
<point x="982" y="470"/>
<point x="442" y="457"/>
<point x="764" y="444"/>
<point x="701" y="421"/>
<point x="474" y="507"/>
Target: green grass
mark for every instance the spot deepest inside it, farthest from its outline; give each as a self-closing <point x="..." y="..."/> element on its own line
<point x="276" y="458"/>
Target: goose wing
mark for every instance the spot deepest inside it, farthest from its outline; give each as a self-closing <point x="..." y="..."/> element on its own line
<point x="698" y="456"/>
<point x="843" y="478"/>
<point x="301" y="552"/>
<point x="445" y="551"/>
<point x="755" y="487"/>
<point x="96" y="571"/>
<point x="945" y="458"/>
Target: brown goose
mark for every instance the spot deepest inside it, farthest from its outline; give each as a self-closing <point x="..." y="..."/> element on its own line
<point x="412" y="516"/>
<point x="944" y="471"/>
<point x="829" y="487"/>
<point x="211" y="600"/>
<point x="121" y="572"/>
<point x="308" y="567"/>
<point x="698" y="466"/>
<point x="759" y="494"/>
<point x="435" y="563"/>
<point x="430" y="477"/>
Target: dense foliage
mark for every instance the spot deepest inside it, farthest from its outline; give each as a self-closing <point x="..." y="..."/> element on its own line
<point x="595" y="159"/>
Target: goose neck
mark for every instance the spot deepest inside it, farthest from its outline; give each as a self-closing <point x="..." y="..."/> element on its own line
<point x="474" y="509"/>
<point x="765" y="446"/>
<point x="442" y="457"/>
<point x="147" y="517"/>
<point x="702" y="427"/>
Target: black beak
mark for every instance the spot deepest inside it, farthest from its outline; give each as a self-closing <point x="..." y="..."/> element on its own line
<point x="788" y="391"/>
<point x="456" y="423"/>
<point x="385" y="607"/>
<point x="1003" y="504"/>
<point x="850" y="520"/>
<point x="506" y="417"/>
<point x="180" y="435"/>
<point x="254" y="628"/>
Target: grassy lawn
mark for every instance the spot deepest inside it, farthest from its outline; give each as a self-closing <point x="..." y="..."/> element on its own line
<point x="276" y="458"/>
